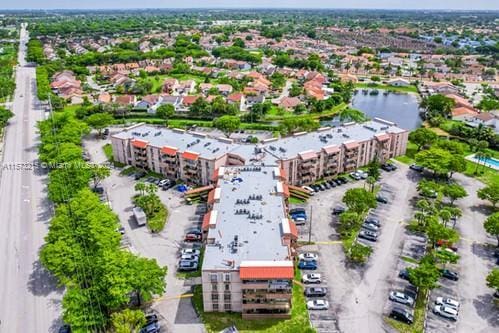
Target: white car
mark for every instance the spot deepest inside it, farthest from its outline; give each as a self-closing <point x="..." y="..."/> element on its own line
<point x="449" y="302"/>
<point x="163" y="182"/>
<point x="397" y="296"/>
<point x="445" y="312"/>
<point x="189" y="257"/>
<point x="318" y="304"/>
<point x="309" y="189"/>
<point x="311" y="278"/>
<point x="195" y="252"/>
<point x="362" y="174"/>
<point x="355" y="175"/>
<point x="308" y="256"/>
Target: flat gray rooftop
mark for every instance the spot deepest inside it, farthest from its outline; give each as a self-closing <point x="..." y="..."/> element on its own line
<point x="289" y="147"/>
<point x="281" y="149"/>
<point x="258" y="229"/>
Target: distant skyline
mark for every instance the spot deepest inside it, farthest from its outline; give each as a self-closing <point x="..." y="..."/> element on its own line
<point x="358" y="4"/>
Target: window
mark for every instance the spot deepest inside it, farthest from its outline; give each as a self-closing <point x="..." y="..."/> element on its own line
<point x="213" y="278"/>
<point x="214" y="296"/>
<point x="227" y="277"/>
<point x="227" y="307"/>
<point x="227" y="297"/>
<point x="227" y="287"/>
<point x="215" y="306"/>
<point x="214" y="286"/>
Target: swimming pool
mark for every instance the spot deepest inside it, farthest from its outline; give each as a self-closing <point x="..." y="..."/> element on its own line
<point x="488" y="161"/>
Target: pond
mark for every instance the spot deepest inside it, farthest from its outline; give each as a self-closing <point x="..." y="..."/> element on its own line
<point x="400" y="108"/>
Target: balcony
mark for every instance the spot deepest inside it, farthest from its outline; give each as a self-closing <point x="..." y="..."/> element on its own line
<point x="169" y="159"/>
<point x="265" y="296"/>
<point x="255" y="285"/>
<point x="267" y="306"/>
<point x="256" y="316"/>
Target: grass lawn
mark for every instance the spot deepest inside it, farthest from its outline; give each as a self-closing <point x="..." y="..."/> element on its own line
<point x="419" y="312"/>
<point x="408" y="89"/>
<point x="409" y="260"/>
<point x="158" y="80"/>
<point x="408" y="158"/>
<point x="484" y="174"/>
<point x="296" y="201"/>
<point x="217" y="321"/>
<point x="276" y="114"/>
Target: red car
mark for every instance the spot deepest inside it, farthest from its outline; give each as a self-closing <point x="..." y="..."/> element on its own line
<point x="191" y="237"/>
<point x="445" y="243"/>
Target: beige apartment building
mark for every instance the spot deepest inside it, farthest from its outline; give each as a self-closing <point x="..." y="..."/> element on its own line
<point x="248" y="260"/>
<point x="306" y="157"/>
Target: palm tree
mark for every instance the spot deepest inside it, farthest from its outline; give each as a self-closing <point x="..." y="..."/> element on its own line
<point x="141" y="187"/>
<point x="445" y="215"/>
<point x="371" y="181"/>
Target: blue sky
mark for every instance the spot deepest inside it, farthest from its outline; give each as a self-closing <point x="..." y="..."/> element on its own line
<point x="390" y="4"/>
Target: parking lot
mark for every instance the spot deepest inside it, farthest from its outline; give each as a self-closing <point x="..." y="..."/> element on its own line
<point x="174" y="307"/>
<point x="358" y="295"/>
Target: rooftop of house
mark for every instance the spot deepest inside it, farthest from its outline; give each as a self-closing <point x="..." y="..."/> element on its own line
<point x="246" y="221"/>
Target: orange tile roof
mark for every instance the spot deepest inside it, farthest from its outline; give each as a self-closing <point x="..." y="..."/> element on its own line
<point x="266" y="272"/>
<point x="139" y="143"/>
<point x="188" y="155"/>
<point x="211" y="197"/>
<point x="172" y="151"/>
<point x="382" y="137"/>
<point x="294" y="230"/>
<point x="307" y="155"/>
<point x="285" y="189"/>
<point x="206" y="221"/>
<point x="461" y="111"/>
<point x="351" y="145"/>
<point x="331" y="149"/>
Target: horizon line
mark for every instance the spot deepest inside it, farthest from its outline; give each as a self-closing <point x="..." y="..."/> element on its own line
<point x="258" y="7"/>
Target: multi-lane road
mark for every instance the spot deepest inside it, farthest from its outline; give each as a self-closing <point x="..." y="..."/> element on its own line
<point x="29" y="299"/>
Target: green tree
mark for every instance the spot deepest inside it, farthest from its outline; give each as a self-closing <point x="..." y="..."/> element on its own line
<point x="165" y="111"/>
<point x="490" y="193"/>
<point x="359" y="253"/>
<point x="99" y="121"/>
<point x="426" y="275"/>
<point x="359" y="200"/>
<point x="349" y="221"/>
<point x="373" y="169"/>
<point x="454" y="192"/>
<point x="99" y="173"/>
<point x="422" y="137"/>
<point x="493" y="279"/>
<point x="141" y="188"/>
<point x="227" y="124"/>
<point x="128" y="321"/>
<point x="5" y="115"/>
<point x="435" y="159"/>
<point x="438" y="105"/>
<point x="437" y="231"/>
<point x="491" y="225"/>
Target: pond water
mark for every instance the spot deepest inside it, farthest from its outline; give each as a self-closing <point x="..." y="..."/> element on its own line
<point x="400" y="108"/>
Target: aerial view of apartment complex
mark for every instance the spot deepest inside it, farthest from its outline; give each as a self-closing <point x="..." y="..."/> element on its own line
<point x="306" y="157"/>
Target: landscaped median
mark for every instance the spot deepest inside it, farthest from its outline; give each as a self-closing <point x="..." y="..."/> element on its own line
<point x="419" y="316"/>
<point x="217" y="321"/>
<point x="148" y="200"/>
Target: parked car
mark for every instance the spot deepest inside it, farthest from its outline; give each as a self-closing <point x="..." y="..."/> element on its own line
<point x="404" y="274"/>
<point x="312" y="264"/>
<point x="297" y="215"/>
<point x="326" y="185"/>
<point x="402" y="315"/>
<point x="445" y="312"/>
<point x="309" y="189"/>
<point x="321" y="187"/>
<point x="400" y="297"/>
<point x="300" y="220"/>
<point x="446" y="243"/>
<point x="373" y="221"/>
<point x="308" y="256"/>
<point x="151" y="328"/>
<point x="411" y="291"/>
<point x="332" y="183"/>
<point x="151" y="318"/>
<point x="195" y="252"/>
<point x="191" y="237"/>
<point x="189" y="257"/>
<point x="355" y="175"/>
<point x="194" y="230"/>
<point x="121" y="230"/>
<point x="449" y="302"/>
<point x="338" y="210"/>
<point x="139" y="174"/>
<point x="388" y="167"/>
<point x="370" y="227"/>
<point x="315" y="292"/>
<point x="184" y="265"/>
<point x="311" y="278"/>
<point x="369" y="235"/>
<point x="362" y="174"/>
<point x="448" y="274"/>
<point x="297" y="210"/>
<point x="342" y="179"/>
<point x="163" y="182"/>
<point x="381" y="199"/>
<point x="65" y="329"/>
<point x="318" y="304"/>
<point x="315" y="187"/>
<point x="417" y="168"/>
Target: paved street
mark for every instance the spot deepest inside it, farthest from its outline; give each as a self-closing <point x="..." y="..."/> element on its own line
<point x="177" y="312"/>
<point x="29" y="301"/>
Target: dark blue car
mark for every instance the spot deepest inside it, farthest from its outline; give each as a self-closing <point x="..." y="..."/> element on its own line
<point x="307" y="264"/>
